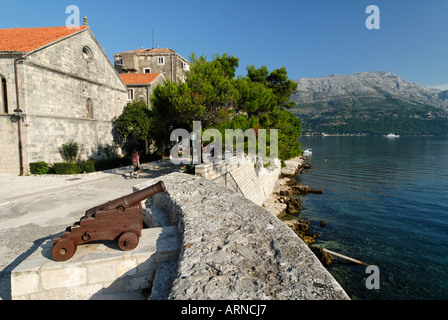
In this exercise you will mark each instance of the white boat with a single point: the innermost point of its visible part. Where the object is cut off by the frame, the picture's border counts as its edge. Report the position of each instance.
(391, 135)
(308, 152)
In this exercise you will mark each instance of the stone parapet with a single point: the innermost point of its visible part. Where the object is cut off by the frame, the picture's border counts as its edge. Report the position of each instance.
(244, 175)
(233, 249)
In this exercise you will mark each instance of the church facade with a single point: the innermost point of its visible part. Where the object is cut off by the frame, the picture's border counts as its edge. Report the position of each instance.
(67, 89)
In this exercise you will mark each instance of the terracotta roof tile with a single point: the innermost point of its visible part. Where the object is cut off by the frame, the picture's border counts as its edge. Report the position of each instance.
(29, 39)
(139, 78)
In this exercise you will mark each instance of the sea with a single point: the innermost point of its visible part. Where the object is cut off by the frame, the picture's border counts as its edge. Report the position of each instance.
(385, 203)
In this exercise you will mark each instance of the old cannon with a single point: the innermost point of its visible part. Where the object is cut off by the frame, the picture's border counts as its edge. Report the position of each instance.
(119, 219)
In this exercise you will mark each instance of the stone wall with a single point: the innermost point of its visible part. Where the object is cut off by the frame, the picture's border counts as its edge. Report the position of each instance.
(9, 146)
(242, 174)
(59, 80)
(9, 155)
(172, 68)
(233, 249)
(144, 92)
(65, 96)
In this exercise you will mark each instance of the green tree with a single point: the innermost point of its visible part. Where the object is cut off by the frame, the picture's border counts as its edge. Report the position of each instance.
(211, 94)
(277, 80)
(135, 119)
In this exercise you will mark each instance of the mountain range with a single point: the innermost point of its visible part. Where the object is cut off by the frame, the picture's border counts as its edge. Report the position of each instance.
(370, 102)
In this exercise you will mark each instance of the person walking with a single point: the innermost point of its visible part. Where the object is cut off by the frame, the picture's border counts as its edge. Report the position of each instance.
(136, 164)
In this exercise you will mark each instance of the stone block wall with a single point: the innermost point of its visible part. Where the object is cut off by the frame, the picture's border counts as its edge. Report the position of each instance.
(9, 146)
(9, 155)
(65, 96)
(242, 174)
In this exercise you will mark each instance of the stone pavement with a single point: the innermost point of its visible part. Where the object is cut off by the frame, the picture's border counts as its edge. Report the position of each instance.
(34, 209)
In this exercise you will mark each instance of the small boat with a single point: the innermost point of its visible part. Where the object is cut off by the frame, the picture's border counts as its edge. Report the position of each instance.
(391, 135)
(308, 152)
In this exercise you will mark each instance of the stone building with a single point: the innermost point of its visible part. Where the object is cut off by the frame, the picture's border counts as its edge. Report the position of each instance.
(141, 85)
(67, 89)
(171, 64)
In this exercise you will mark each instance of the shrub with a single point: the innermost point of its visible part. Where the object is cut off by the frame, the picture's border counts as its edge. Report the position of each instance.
(101, 165)
(69, 151)
(111, 151)
(66, 168)
(39, 168)
(86, 166)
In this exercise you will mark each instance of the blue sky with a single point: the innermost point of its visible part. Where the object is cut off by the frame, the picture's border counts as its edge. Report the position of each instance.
(310, 38)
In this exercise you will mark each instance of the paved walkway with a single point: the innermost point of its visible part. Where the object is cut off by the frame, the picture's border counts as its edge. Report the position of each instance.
(14, 188)
(34, 209)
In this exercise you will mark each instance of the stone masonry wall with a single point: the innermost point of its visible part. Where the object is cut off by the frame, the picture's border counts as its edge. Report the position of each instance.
(239, 174)
(233, 249)
(64, 97)
(9, 154)
(9, 147)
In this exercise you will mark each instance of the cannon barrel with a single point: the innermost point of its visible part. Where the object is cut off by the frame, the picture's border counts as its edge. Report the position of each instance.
(129, 200)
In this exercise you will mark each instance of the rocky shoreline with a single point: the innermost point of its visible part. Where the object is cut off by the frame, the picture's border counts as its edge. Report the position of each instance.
(287, 208)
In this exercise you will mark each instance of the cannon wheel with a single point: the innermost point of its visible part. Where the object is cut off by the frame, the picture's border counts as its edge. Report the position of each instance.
(128, 241)
(63, 250)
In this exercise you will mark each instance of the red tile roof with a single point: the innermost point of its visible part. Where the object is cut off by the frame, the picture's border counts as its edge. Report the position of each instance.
(30, 39)
(139, 78)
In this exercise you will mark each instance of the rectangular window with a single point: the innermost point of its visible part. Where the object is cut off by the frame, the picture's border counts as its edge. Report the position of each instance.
(161, 60)
(131, 94)
(147, 70)
(185, 66)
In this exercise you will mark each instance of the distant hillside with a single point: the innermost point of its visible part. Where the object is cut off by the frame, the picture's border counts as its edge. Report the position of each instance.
(370, 102)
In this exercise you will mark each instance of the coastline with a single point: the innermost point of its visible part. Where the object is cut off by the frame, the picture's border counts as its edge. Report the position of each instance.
(284, 204)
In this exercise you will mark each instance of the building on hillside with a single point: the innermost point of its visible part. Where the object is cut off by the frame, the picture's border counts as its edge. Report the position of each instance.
(141, 85)
(65, 86)
(171, 64)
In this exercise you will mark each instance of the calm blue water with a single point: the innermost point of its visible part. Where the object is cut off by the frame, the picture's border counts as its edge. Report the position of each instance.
(385, 202)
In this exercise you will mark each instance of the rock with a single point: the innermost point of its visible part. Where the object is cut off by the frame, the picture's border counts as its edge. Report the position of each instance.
(324, 257)
(289, 171)
(300, 189)
(286, 191)
(277, 209)
(307, 166)
(301, 228)
(298, 226)
(294, 206)
(292, 167)
(323, 224)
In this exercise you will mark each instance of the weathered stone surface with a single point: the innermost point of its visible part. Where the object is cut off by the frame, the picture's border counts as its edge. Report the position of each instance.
(277, 209)
(234, 249)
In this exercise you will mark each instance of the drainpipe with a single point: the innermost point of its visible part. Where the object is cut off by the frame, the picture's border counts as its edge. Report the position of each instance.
(19, 118)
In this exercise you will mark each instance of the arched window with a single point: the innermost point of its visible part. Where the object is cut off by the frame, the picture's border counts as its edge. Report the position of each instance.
(89, 109)
(4, 95)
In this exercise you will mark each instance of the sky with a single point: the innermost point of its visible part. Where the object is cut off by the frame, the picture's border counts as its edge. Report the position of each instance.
(309, 38)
